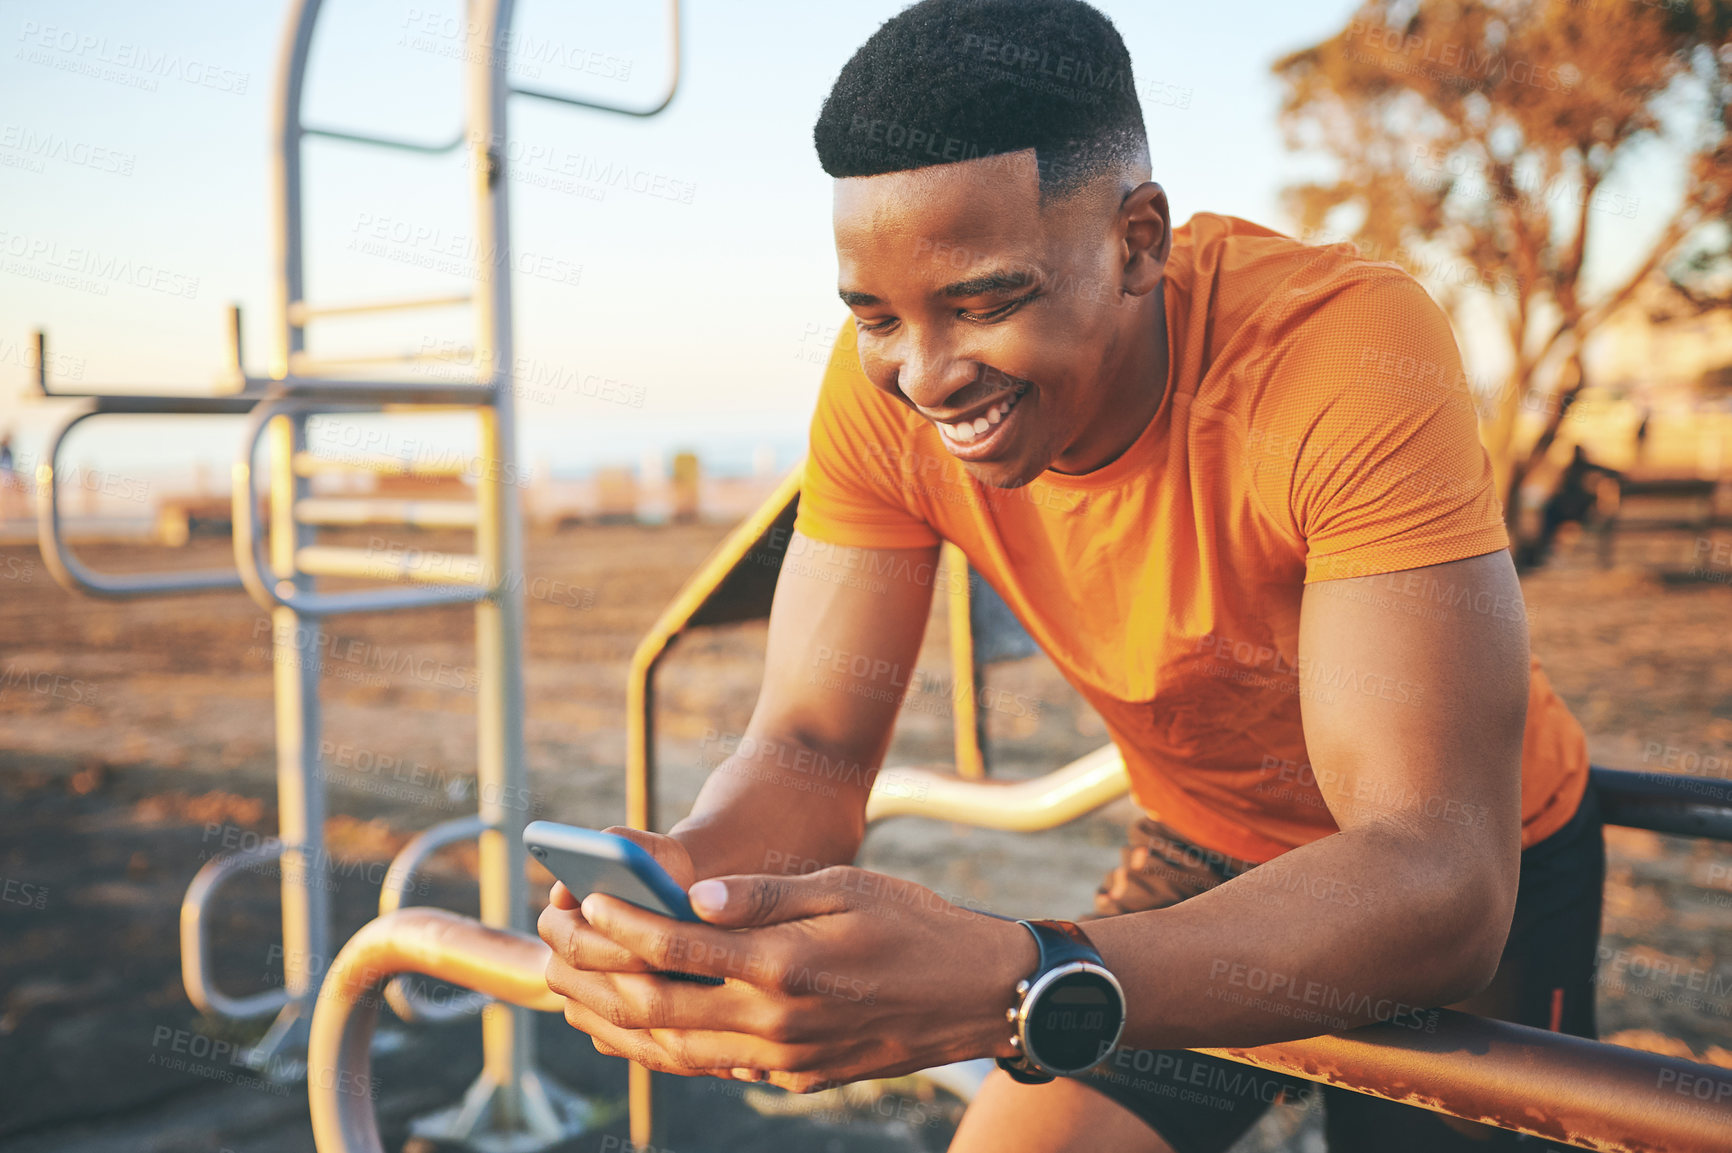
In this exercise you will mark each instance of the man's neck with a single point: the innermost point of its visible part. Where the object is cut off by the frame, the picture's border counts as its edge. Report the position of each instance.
(1139, 386)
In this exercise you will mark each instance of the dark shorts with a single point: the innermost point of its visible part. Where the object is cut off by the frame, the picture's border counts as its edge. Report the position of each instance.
(1202, 1104)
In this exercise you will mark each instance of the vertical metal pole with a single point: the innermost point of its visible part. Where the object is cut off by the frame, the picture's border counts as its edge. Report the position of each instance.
(964, 672)
(640, 813)
(237, 380)
(295, 648)
(41, 361)
(300, 787)
(286, 187)
(508, 1039)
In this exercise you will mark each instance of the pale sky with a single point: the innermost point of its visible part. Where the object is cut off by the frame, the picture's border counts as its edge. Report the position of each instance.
(138, 136)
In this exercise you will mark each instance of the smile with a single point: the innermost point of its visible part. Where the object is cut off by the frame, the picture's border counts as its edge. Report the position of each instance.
(968, 432)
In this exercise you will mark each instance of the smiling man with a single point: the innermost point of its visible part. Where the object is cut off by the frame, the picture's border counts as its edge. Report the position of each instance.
(1232, 485)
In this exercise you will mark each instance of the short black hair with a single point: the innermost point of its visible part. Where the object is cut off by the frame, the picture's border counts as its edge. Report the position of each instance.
(950, 80)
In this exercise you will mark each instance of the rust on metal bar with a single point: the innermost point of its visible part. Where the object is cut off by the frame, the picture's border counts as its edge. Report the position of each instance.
(1567, 1089)
(1552, 1085)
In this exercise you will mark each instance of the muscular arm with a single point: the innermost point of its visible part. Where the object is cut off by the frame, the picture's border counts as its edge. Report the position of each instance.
(830, 978)
(845, 630)
(1408, 906)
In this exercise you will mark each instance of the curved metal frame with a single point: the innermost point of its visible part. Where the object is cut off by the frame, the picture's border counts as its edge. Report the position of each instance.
(509, 1096)
(667, 99)
(1060, 796)
(268, 588)
(499, 963)
(195, 967)
(691, 599)
(1700, 808)
(1584, 1093)
(69, 570)
(404, 1001)
(1044, 802)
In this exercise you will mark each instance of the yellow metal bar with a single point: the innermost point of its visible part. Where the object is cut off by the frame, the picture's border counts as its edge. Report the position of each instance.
(640, 687)
(640, 803)
(970, 763)
(1045, 802)
(1551, 1085)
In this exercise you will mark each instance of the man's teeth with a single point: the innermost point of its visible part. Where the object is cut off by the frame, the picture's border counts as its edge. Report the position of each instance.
(963, 432)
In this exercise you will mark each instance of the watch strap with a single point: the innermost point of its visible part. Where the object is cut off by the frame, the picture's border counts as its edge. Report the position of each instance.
(1060, 942)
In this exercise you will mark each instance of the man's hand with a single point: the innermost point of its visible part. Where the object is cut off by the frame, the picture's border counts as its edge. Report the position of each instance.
(583, 946)
(829, 977)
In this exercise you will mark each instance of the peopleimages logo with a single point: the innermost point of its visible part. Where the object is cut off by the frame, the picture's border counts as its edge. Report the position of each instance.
(1445, 59)
(108, 59)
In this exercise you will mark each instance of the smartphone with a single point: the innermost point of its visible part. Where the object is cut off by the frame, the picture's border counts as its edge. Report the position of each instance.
(590, 861)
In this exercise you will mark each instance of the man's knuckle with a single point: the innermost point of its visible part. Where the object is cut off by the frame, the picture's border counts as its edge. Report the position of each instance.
(797, 1059)
(781, 1027)
(764, 896)
(664, 948)
(653, 1006)
(677, 1047)
(648, 1054)
(550, 928)
(617, 1013)
(560, 977)
(778, 971)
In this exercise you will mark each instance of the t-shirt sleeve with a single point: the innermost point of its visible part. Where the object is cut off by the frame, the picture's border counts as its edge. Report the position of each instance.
(853, 492)
(1366, 438)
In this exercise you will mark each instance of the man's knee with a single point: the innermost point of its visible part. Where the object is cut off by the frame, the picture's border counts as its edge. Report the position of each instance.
(1065, 1116)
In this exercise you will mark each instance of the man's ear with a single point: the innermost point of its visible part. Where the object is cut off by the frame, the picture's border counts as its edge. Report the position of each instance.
(1148, 237)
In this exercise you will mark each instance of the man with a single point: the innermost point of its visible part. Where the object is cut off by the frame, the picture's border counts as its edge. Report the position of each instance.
(9, 482)
(1233, 487)
(1576, 495)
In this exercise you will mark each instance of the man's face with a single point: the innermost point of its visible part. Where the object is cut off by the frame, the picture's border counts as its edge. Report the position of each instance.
(998, 320)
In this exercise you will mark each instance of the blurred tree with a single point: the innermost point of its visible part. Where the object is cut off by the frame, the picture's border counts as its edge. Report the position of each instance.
(1473, 140)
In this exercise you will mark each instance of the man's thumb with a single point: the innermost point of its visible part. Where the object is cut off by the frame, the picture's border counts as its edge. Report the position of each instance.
(669, 854)
(743, 902)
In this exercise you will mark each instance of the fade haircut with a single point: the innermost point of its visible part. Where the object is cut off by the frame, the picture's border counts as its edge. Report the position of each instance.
(950, 80)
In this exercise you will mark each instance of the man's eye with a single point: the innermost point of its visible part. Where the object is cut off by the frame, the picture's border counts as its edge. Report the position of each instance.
(876, 326)
(998, 313)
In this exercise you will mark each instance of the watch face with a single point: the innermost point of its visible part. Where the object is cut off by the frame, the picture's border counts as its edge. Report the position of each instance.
(1073, 1021)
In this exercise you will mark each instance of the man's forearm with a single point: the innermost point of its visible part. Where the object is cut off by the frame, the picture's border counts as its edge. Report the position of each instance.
(777, 808)
(1353, 928)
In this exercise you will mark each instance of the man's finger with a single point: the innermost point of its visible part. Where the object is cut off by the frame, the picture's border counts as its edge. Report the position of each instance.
(643, 1001)
(750, 901)
(574, 942)
(688, 1052)
(668, 945)
(668, 853)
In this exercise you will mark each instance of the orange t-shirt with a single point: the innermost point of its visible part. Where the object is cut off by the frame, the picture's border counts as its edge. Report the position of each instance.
(1315, 425)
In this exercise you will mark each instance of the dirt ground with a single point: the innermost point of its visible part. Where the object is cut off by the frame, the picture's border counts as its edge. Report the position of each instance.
(136, 741)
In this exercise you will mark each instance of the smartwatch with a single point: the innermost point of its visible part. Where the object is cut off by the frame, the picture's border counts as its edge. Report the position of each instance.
(1069, 1011)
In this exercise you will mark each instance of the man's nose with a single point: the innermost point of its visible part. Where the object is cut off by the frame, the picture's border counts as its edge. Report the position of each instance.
(929, 377)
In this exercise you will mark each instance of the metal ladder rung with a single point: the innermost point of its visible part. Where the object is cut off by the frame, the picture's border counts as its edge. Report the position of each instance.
(458, 465)
(433, 149)
(410, 565)
(303, 364)
(300, 311)
(377, 510)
